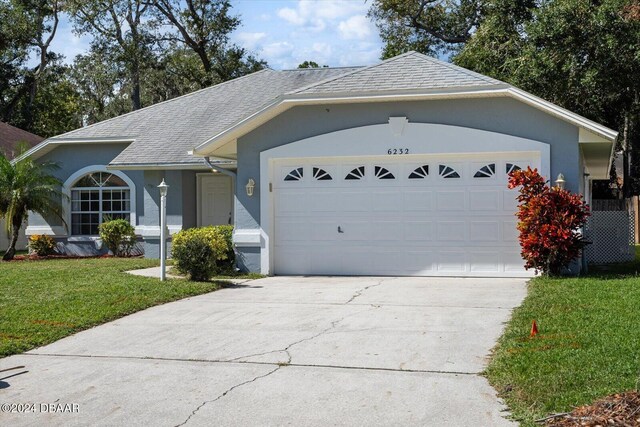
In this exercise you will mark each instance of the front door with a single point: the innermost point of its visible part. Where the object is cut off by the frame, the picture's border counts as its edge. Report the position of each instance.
(215, 200)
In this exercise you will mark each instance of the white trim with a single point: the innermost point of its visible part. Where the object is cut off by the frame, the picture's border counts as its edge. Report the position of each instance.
(284, 103)
(247, 237)
(68, 184)
(49, 144)
(56, 230)
(154, 230)
(166, 166)
(420, 138)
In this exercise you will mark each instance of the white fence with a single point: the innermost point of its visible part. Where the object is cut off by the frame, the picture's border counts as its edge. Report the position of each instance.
(613, 237)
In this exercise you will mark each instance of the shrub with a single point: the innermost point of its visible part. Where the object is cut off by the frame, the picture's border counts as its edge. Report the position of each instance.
(42, 245)
(200, 252)
(227, 265)
(550, 220)
(119, 236)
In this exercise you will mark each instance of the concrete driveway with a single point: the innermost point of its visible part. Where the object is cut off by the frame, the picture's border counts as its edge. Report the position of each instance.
(293, 351)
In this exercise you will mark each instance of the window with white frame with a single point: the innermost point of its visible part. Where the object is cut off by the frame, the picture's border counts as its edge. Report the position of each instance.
(98, 197)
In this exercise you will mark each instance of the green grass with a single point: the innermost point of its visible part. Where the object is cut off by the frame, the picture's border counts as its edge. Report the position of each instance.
(43, 301)
(588, 346)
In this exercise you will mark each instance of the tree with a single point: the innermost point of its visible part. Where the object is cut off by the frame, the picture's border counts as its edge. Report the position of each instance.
(311, 64)
(427, 26)
(204, 27)
(28, 29)
(122, 28)
(550, 220)
(27, 186)
(582, 55)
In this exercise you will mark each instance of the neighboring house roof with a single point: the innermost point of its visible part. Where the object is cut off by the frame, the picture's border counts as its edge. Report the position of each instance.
(165, 134)
(11, 137)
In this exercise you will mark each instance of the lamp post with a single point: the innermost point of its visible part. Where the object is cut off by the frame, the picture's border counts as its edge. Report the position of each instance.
(164, 188)
(560, 182)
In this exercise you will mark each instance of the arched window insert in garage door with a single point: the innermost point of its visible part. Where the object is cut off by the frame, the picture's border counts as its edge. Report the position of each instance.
(355, 174)
(383, 173)
(486, 171)
(510, 167)
(321, 174)
(420, 173)
(295, 175)
(448, 172)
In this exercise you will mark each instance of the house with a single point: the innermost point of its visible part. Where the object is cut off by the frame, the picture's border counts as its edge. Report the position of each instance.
(399, 168)
(10, 138)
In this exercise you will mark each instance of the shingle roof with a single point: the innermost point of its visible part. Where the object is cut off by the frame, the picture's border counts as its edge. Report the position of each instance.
(11, 136)
(164, 133)
(410, 71)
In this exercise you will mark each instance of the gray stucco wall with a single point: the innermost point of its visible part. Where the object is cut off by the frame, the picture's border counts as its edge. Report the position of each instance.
(503, 115)
(181, 200)
(72, 158)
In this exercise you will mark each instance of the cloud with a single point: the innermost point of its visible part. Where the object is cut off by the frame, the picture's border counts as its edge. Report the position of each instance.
(277, 50)
(250, 40)
(357, 27)
(317, 15)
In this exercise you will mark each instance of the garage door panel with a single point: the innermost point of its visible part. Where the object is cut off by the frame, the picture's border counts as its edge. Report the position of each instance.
(451, 200)
(419, 262)
(322, 230)
(392, 201)
(292, 231)
(419, 231)
(356, 230)
(417, 200)
(485, 200)
(509, 231)
(387, 231)
(486, 261)
(510, 201)
(288, 202)
(451, 231)
(323, 201)
(484, 231)
(354, 201)
(451, 261)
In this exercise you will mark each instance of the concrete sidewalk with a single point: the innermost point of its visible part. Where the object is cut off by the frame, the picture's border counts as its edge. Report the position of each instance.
(283, 351)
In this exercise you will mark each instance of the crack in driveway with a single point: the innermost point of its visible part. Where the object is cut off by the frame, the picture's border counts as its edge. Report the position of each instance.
(229, 390)
(360, 291)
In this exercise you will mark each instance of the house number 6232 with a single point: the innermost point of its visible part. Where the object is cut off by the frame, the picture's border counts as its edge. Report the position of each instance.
(392, 151)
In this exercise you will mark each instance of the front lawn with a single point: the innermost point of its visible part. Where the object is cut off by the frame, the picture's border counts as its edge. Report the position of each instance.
(588, 346)
(43, 301)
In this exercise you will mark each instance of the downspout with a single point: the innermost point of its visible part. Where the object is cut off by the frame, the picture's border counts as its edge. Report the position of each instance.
(227, 172)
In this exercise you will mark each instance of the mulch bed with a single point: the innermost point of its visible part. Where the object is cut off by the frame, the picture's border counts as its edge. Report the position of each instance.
(42, 258)
(620, 410)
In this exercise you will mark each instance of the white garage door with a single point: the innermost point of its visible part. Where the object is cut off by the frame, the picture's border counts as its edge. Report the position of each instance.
(397, 215)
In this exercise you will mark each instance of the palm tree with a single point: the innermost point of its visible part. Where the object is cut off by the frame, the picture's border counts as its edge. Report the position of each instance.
(27, 186)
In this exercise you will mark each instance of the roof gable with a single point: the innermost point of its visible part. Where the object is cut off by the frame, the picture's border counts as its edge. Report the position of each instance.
(410, 71)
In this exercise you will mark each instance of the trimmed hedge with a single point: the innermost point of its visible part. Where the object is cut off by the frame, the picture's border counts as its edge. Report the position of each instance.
(203, 252)
(119, 236)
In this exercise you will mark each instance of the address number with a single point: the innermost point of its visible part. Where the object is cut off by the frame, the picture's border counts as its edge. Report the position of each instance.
(392, 151)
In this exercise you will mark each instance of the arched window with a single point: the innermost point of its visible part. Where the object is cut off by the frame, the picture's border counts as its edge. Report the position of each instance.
(97, 197)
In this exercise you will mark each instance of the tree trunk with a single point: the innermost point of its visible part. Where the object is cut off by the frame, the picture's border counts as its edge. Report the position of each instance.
(136, 103)
(11, 251)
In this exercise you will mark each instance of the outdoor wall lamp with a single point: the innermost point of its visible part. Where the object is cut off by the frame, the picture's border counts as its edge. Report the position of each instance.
(250, 186)
(560, 182)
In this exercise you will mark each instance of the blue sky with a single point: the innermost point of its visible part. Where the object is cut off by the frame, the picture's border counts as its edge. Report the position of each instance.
(287, 32)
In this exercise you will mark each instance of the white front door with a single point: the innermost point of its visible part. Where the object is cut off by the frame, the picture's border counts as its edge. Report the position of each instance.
(216, 194)
(438, 215)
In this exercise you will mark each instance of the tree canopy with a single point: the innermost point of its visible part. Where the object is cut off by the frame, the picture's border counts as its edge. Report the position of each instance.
(142, 52)
(580, 54)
